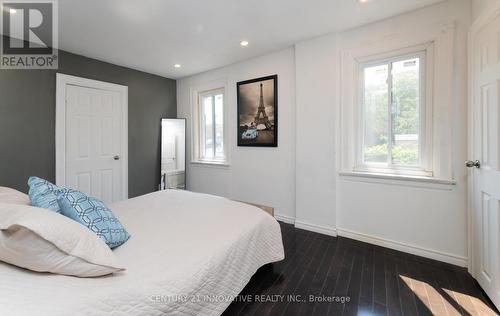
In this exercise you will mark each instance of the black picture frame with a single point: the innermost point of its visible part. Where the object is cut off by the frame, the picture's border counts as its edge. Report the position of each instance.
(244, 131)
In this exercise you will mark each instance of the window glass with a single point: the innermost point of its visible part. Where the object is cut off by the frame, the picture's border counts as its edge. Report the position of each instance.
(406, 112)
(211, 126)
(219, 126)
(376, 120)
(392, 113)
(208, 130)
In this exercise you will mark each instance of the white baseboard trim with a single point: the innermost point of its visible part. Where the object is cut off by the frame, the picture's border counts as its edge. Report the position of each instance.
(415, 250)
(316, 228)
(396, 245)
(285, 219)
(306, 226)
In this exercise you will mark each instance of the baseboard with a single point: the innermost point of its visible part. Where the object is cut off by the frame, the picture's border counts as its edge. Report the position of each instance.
(306, 226)
(316, 228)
(285, 219)
(415, 250)
(396, 245)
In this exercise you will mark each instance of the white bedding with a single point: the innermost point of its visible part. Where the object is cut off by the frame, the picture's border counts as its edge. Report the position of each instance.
(188, 253)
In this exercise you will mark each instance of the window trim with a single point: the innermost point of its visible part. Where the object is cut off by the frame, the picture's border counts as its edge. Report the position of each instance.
(196, 157)
(439, 41)
(201, 122)
(426, 54)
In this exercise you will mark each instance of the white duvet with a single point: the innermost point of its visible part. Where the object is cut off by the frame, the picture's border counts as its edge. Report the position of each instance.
(189, 254)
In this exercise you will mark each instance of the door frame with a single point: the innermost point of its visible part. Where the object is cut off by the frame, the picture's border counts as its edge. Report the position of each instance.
(62, 81)
(487, 16)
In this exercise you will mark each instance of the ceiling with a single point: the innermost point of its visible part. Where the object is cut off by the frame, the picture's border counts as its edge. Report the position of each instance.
(153, 35)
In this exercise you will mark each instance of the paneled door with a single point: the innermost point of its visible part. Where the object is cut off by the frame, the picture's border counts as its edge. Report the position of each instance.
(485, 151)
(95, 136)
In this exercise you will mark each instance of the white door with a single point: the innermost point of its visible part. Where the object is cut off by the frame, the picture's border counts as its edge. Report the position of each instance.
(91, 137)
(485, 163)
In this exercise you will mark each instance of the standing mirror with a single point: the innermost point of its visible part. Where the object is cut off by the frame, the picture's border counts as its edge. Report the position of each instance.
(173, 154)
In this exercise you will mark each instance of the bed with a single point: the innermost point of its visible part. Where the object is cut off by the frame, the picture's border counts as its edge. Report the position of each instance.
(189, 254)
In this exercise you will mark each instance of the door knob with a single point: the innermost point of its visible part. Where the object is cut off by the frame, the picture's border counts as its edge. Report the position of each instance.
(472, 164)
(116, 157)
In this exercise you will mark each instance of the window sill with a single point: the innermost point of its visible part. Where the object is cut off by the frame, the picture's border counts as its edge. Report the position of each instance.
(397, 179)
(206, 163)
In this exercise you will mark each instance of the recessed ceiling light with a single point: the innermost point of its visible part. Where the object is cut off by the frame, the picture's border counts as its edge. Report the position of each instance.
(364, 1)
(244, 43)
(177, 65)
(12, 11)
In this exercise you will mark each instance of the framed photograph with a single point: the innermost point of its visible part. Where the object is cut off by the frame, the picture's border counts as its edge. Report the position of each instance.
(258, 112)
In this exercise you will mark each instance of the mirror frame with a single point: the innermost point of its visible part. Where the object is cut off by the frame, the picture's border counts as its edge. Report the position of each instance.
(185, 150)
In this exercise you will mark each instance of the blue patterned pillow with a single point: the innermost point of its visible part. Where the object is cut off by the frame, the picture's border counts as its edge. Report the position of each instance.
(43, 194)
(93, 214)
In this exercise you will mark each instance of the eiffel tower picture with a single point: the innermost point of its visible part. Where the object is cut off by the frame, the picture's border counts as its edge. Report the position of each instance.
(261, 117)
(258, 112)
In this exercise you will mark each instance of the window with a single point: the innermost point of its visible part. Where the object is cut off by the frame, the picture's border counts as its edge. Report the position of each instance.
(396, 118)
(211, 126)
(393, 114)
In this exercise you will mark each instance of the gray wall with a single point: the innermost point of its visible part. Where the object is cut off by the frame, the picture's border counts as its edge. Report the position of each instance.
(27, 120)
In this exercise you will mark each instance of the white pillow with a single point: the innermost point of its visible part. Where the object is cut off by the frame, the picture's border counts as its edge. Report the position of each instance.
(41, 240)
(8, 195)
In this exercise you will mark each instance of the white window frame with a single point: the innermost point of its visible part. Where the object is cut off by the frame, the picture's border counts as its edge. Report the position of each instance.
(439, 42)
(424, 167)
(199, 128)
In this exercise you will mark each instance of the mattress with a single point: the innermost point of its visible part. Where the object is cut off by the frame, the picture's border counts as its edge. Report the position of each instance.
(189, 254)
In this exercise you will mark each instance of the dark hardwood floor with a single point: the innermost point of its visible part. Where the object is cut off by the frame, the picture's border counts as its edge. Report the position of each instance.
(360, 278)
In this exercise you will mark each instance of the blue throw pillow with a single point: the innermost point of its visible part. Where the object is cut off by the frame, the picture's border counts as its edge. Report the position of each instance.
(93, 214)
(43, 194)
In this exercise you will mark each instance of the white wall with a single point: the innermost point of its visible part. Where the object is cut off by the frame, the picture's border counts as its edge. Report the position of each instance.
(259, 175)
(429, 221)
(315, 166)
(479, 6)
(300, 177)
